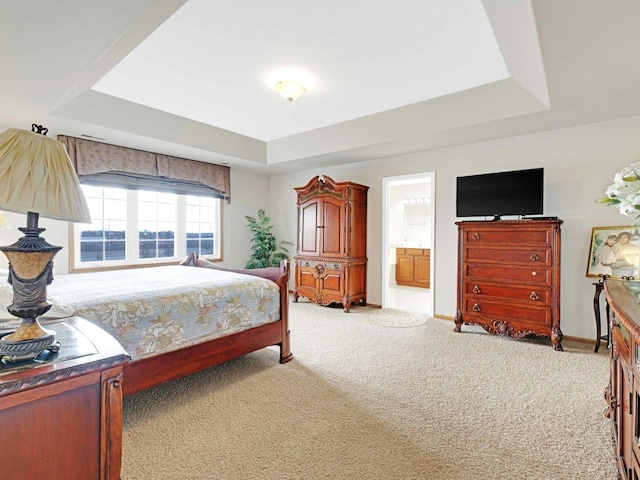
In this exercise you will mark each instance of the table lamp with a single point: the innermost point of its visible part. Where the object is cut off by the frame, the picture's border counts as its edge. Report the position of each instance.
(37, 179)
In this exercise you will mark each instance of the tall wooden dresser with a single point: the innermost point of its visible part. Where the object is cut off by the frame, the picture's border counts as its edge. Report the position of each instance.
(331, 255)
(509, 277)
(623, 390)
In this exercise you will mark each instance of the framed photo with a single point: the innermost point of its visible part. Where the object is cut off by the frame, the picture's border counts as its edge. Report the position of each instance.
(615, 251)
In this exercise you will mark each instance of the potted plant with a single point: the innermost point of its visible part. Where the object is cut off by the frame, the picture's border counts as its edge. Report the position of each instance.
(266, 251)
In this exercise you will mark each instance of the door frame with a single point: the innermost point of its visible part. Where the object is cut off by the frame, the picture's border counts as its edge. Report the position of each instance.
(387, 183)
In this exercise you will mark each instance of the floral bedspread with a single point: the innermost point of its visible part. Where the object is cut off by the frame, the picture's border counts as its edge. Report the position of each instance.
(158, 309)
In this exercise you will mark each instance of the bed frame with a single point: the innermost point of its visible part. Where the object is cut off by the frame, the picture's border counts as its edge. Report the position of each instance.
(151, 371)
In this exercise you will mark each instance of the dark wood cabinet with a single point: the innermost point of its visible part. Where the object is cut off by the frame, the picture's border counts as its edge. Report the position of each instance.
(413, 267)
(331, 255)
(62, 418)
(623, 390)
(509, 277)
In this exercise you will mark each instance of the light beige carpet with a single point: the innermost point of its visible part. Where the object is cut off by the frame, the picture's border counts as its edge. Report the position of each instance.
(361, 401)
(389, 317)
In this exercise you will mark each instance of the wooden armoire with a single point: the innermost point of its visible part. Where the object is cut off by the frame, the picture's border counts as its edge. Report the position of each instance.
(331, 255)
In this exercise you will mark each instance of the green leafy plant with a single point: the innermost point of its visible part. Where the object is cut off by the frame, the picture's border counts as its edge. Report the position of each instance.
(266, 251)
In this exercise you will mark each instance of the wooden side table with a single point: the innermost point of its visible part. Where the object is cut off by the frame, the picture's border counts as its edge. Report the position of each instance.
(62, 417)
(596, 310)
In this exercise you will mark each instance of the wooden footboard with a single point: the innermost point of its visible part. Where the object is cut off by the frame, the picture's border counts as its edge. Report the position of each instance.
(151, 371)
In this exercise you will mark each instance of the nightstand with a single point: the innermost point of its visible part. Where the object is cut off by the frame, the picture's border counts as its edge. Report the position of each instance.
(62, 418)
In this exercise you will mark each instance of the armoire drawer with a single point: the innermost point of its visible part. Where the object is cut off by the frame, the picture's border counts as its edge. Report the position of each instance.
(537, 275)
(320, 266)
(518, 313)
(497, 235)
(510, 255)
(533, 294)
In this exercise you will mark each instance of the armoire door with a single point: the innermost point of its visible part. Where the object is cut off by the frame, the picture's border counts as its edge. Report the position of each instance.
(332, 228)
(309, 228)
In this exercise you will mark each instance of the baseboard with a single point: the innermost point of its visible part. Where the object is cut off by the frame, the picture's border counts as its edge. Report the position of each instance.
(584, 340)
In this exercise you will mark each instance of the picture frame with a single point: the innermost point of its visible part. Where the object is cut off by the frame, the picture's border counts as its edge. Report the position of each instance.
(615, 251)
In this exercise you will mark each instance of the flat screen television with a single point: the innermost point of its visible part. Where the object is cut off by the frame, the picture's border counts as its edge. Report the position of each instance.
(518, 192)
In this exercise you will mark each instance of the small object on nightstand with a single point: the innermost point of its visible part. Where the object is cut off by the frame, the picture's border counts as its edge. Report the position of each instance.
(12, 358)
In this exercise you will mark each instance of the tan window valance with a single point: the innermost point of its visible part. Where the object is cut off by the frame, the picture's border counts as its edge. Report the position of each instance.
(106, 164)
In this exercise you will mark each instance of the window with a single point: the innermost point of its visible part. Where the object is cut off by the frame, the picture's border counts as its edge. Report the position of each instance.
(105, 239)
(156, 225)
(201, 224)
(133, 227)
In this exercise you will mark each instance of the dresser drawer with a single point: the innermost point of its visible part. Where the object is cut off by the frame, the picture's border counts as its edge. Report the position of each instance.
(525, 317)
(499, 235)
(528, 294)
(510, 255)
(528, 275)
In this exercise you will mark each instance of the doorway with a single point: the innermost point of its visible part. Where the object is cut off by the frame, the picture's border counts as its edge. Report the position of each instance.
(407, 239)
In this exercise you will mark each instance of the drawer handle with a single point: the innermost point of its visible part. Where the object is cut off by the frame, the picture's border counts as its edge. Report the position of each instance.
(476, 307)
(534, 273)
(534, 296)
(476, 236)
(534, 257)
(476, 289)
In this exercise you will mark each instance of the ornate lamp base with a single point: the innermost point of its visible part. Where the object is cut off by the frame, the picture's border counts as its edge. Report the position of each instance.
(30, 271)
(27, 342)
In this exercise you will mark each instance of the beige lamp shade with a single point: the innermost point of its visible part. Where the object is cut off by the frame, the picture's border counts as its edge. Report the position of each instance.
(37, 176)
(4, 223)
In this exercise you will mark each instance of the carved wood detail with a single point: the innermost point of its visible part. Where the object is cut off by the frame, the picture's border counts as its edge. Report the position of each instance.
(57, 375)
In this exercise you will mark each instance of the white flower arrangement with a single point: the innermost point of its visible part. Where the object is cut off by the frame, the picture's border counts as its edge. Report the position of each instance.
(624, 193)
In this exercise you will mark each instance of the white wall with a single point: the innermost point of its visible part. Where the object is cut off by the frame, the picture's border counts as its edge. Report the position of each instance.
(249, 192)
(396, 216)
(578, 164)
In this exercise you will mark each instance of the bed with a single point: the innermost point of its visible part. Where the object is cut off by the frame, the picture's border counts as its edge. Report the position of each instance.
(176, 320)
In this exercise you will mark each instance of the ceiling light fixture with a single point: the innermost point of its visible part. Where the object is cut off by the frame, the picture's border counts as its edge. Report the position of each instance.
(290, 91)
